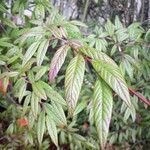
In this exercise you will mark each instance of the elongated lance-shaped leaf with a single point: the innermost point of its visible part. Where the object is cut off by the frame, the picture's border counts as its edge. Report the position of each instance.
(73, 81)
(96, 55)
(42, 51)
(56, 111)
(35, 104)
(52, 130)
(113, 77)
(102, 108)
(30, 52)
(57, 61)
(38, 90)
(41, 127)
(52, 94)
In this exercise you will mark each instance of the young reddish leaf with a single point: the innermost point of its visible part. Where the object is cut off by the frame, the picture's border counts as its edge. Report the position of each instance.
(22, 122)
(4, 85)
(57, 62)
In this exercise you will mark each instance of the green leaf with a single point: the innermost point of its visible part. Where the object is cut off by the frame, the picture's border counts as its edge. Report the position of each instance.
(40, 72)
(26, 103)
(102, 108)
(73, 81)
(31, 76)
(38, 90)
(34, 104)
(9, 74)
(40, 11)
(121, 34)
(41, 127)
(118, 24)
(110, 28)
(80, 107)
(57, 112)
(22, 91)
(147, 36)
(2, 63)
(52, 130)
(5, 44)
(3, 7)
(9, 23)
(57, 62)
(113, 78)
(52, 94)
(31, 120)
(30, 52)
(78, 23)
(96, 55)
(42, 51)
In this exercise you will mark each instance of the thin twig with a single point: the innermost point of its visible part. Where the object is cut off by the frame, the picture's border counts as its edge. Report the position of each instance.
(141, 97)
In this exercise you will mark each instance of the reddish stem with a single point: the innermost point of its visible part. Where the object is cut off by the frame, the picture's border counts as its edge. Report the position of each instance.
(141, 97)
(88, 59)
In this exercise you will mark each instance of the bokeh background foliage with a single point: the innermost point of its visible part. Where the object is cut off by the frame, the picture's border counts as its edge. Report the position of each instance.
(65, 79)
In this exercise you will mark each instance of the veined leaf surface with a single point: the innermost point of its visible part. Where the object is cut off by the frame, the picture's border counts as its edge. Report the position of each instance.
(30, 52)
(42, 51)
(57, 61)
(52, 130)
(41, 127)
(96, 55)
(73, 81)
(102, 108)
(113, 77)
(38, 90)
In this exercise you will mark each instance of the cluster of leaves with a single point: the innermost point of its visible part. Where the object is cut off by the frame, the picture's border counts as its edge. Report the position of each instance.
(29, 68)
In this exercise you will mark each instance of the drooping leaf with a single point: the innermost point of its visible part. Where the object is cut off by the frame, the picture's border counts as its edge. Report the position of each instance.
(57, 112)
(42, 51)
(34, 104)
(30, 52)
(52, 130)
(41, 127)
(102, 108)
(52, 94)
(57, 61)
(38, 90)
(73, 81)
(113, 77)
